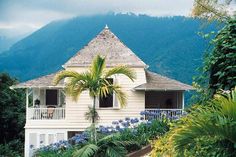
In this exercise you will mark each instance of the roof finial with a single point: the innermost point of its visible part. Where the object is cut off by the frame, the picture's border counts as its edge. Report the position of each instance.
(106, 27)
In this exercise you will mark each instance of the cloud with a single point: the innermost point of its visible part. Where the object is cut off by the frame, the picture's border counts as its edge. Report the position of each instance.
(29, 15)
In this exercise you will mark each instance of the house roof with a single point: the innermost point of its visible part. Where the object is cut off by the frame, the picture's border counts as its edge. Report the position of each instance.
(159, 83)
(41, 82)
(154, 82)
(108, 45)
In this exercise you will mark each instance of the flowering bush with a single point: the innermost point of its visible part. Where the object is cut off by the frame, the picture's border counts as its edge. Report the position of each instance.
(81, 138)
(61, 148)
(140, 130)
(120, 125)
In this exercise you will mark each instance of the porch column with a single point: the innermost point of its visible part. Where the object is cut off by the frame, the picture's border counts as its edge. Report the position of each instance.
(183, 100)
(27, 102)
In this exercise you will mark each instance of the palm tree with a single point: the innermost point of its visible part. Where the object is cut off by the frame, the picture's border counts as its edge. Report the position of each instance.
(217, 119)
(96, 81)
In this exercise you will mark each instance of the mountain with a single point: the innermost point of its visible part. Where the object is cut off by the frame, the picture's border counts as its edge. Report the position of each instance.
(6, 43)
(170, 45)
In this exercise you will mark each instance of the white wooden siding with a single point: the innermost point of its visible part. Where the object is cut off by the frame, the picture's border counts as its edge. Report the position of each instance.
(75, 110)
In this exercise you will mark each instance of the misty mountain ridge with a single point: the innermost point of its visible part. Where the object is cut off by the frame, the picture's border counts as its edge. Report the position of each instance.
(169, 45)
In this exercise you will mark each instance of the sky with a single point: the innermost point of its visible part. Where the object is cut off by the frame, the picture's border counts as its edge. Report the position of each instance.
(19, 17)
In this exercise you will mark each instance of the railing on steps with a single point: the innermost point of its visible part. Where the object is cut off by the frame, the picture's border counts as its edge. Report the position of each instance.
(46, 113)
(153, 113)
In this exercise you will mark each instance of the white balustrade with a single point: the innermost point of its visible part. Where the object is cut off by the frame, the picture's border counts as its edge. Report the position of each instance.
(153, 113)
(46, 113)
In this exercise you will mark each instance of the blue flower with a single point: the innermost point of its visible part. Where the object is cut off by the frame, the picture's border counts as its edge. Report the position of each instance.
(31, 146)
(142, 113)
(114, 122)
(120, 121)
(127, 118)
(135, 120)
(117, 127)
(125, 124)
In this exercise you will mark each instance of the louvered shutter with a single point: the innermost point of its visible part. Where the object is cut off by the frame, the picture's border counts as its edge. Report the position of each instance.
(116, 104)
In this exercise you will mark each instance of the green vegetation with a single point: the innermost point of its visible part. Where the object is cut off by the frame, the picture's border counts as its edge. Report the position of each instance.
(12, 117)
(208, 130)
(219, 67)
(117, 142)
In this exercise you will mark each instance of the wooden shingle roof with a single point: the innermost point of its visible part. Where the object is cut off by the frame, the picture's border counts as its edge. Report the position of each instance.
(41, 82)
(160, 83)
(108, 45)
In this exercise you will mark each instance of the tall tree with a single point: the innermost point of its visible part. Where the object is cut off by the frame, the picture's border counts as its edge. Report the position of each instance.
(219, 69)
(12, 114)
(221, 10)
(96, 81)
(222, 61)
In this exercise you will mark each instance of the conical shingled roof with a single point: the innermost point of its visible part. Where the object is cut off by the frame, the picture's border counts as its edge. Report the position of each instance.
(107, 45)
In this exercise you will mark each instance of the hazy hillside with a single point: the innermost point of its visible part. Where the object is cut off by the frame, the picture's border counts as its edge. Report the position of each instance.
(170, 46)
(6, 43)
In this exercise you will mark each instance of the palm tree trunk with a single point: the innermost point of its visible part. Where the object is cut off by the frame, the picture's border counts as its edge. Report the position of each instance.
(93, 121)
(93, 116)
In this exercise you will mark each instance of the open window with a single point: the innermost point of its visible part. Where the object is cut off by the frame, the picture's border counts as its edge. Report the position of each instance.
(107, 102)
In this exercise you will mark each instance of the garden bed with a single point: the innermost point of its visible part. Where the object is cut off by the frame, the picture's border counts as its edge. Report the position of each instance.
(140, 152)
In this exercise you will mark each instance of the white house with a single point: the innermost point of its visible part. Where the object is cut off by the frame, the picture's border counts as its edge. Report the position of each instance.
(52, 116)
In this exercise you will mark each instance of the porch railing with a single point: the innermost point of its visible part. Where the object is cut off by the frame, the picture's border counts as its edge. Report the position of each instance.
(46, 113)
(163, 113)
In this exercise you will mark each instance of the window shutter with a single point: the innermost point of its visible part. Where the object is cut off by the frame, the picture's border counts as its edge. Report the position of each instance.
(116, 103)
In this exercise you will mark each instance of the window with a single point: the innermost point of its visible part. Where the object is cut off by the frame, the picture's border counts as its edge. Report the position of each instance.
(51, 97)
(42, 139)
(51, 138)
(60, 137)
(107, 101)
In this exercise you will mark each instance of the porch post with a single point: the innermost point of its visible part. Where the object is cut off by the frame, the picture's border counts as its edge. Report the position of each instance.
(183, 100)
(27, 102)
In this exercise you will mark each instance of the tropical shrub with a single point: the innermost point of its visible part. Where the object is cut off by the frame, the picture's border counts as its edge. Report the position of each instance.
(208, 130)
(108, 146)
(121, 137)
(139, 130)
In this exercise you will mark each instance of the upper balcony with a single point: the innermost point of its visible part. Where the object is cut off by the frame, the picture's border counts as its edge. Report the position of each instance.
(45, 104)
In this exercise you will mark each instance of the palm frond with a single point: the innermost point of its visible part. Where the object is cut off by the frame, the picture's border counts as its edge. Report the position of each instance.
(76, 85)
(87, 151)
(216, 120)
(121, 96)
(64, 74)
(116, 151)
(97, 67)
(124, 70)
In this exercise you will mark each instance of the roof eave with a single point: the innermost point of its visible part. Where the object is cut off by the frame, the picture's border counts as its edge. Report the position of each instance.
(22, 86)
(132, 66)
(153, 89)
